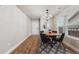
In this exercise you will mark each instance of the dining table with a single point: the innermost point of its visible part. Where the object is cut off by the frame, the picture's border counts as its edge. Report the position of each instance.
(52, 35)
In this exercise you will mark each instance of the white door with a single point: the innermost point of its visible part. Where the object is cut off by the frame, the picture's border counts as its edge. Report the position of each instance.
(35, 27)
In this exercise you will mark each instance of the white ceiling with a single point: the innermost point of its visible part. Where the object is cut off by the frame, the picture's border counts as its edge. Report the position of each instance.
(36, 11)
(70, 11)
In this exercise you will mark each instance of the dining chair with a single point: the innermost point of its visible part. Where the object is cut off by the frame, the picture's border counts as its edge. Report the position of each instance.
(59, 42)
(44, 39)
(41, 32)
(44, 42)
(50, 30)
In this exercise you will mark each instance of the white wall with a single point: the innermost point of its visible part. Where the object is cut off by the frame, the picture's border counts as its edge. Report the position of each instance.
(75, 20)
(14, 27)
(35, 27)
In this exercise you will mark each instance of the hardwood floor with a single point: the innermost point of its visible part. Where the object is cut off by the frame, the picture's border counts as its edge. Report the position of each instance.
(29, 46)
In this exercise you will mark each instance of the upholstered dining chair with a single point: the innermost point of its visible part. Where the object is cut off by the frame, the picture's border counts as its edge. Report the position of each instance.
(59, 42)
(44, 42)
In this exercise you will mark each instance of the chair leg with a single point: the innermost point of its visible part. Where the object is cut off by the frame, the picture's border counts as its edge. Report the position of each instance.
(57, 48)
(53, 43)
(64, 50)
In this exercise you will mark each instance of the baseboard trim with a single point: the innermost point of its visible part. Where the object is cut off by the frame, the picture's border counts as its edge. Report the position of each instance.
(9, 51)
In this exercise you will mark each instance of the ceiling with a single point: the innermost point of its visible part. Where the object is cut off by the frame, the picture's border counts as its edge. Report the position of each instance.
(36, 11)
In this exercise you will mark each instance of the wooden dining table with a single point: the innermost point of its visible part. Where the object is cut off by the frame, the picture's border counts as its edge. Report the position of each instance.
(52, 34)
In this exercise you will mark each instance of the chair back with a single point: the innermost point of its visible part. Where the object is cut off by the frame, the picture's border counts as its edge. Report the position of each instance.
(41, 32)
(62, 37)
(43, 38)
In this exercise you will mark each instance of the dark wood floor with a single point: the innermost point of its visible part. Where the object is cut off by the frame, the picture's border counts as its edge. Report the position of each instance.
(29, 46)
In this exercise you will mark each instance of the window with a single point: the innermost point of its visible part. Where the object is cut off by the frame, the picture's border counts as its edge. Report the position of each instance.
(73, 30)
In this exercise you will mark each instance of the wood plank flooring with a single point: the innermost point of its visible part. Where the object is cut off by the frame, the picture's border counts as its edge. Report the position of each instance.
(29, 46)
